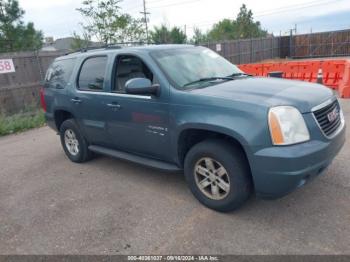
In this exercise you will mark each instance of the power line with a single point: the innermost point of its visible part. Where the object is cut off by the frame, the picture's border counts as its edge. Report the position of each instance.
(131, 8)
(203, 24)
(296, 7)
(157, 1)
(273, 11)
(260, 14)
(175, 4)
(263, 13)
(288, 7)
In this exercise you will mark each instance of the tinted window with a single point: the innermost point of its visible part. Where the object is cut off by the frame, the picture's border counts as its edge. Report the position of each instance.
(92, 73)
(59, 73)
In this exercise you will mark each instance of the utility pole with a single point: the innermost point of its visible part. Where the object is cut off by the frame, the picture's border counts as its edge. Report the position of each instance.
(310, 41)
(291, 53)
(145, 19)
(185, 31)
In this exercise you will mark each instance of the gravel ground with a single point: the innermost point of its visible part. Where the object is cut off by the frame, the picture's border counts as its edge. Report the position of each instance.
(49, 205)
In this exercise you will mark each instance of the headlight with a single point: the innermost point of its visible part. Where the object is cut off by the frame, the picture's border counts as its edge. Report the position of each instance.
(287, 126)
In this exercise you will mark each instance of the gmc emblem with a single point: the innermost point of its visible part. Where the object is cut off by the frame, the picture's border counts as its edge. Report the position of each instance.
(332, 116)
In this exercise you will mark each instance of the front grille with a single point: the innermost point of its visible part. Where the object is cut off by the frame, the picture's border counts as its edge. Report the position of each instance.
(328, 118)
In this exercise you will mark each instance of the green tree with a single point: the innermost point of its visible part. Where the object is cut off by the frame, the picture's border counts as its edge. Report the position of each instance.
(15, 35)
(223, 30)
(160, 35)
(177, 36)
(242, 27)
(199, 37)
(165, 35)
(245, 25)
(108, 24)
(80, 42)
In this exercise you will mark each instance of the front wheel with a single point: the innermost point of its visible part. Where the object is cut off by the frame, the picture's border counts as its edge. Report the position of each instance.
(74, 144)
(218, 175)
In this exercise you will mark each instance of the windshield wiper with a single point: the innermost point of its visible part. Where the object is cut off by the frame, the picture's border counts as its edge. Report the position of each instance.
(239, 74)
(206, 79)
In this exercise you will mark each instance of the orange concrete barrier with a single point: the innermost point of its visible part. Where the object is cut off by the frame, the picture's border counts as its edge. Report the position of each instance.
(252, 69)
(344, 86)
(336, 72)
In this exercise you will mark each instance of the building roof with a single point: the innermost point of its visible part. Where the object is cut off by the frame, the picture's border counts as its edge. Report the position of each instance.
(64, 44)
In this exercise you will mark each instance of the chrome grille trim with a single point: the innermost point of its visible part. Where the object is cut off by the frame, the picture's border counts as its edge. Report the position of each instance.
(320, 114)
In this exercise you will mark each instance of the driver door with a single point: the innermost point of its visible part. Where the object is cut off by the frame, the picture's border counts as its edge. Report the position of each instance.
(139, 123)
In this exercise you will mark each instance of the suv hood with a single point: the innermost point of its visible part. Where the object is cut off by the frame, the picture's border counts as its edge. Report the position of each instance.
(270, 92)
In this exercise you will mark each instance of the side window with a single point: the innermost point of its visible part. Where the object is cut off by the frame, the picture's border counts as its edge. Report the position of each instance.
(92, 73)
(129, 67)
(59, 73)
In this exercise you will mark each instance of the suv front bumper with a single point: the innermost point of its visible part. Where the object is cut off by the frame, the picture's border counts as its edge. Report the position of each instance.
(281, 169)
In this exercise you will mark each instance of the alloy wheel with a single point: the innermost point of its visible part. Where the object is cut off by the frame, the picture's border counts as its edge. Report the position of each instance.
(71, 142)
(212, 178)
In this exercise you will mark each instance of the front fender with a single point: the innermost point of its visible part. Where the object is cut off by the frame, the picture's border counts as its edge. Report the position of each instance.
(248, 127)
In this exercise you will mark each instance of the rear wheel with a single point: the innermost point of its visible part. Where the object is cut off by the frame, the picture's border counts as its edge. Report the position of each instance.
(218, 175)
(74, 144)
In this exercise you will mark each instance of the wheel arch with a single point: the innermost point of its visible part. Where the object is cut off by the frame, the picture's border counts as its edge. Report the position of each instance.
(60, 115)
(191, 135)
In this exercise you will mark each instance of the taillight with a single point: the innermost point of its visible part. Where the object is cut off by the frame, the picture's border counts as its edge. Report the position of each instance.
(42, 99)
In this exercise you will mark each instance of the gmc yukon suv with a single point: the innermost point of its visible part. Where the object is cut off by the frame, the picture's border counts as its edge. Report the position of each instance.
(180, 107)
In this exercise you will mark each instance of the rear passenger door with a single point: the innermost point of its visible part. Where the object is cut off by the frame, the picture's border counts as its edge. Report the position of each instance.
(89, 98)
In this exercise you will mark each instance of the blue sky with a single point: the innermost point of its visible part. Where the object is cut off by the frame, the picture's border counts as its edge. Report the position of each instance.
(58, 18)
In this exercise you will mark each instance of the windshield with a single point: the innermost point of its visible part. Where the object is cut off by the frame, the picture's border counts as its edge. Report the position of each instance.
(186, 67)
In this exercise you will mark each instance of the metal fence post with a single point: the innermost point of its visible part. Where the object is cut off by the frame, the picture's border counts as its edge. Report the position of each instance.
(279, 42)
(332, 51)
(290, 42)
(251, 51)
(36, 54)
(239, 51)
(271, 47)
(309, 36)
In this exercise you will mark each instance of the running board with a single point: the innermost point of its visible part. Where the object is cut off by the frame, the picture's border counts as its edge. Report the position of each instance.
(135, 158)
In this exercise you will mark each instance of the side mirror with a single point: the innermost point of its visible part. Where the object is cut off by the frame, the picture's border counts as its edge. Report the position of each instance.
(141, 86)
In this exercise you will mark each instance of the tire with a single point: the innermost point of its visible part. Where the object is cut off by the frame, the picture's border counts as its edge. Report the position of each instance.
(76, 147)
(226, 189)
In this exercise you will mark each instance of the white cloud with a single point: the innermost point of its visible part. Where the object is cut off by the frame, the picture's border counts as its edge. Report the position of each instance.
(59, 18)
(40, 4)
(56, 18)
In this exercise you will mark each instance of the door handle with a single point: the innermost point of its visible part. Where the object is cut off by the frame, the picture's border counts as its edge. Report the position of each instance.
(76, 100)
(114, 106)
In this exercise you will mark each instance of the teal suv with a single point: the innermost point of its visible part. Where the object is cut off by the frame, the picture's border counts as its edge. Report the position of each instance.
(185, 108)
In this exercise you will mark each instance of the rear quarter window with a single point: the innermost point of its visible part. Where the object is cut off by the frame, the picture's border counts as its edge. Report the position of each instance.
(92, 73)
(59, 73)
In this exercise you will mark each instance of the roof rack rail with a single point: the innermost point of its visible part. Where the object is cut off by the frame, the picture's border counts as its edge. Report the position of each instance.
(107, 46)
(85, 49)
(122, 44)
